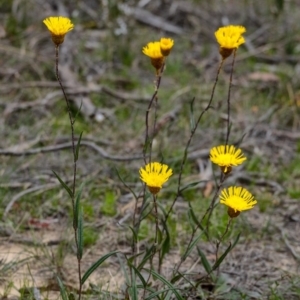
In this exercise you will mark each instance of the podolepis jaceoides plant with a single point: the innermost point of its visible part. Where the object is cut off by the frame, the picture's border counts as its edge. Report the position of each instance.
(143, 267)
(59, 27)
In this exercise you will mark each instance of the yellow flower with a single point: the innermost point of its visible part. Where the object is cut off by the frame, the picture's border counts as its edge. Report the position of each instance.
(166, 44)
(58, 27)
(226, 157)
(152, 50)
(237, 199)
(230, 38)
(155, 175)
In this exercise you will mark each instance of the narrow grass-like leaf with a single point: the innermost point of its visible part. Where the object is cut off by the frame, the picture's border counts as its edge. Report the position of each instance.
(64, 185)
(192, 118)
(191, 247)
(134, 293)
(134, 235)
(144, 283)
(166, 282)
(77, 207)
(62, 288)
(204, 261)
(229, 248)
(126, 185)
(192, 184)
(176, 277)
(80, 234)
(195, 219)
(157, 293)
(166, 245)
(236, 240)
(78, 111)
(147, 255)
(124, 269)
(96, 265)
(78, 146)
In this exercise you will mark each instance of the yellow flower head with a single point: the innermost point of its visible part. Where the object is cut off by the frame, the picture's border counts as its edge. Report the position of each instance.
(58, 27)
(155, 175)
(153, 50)
(237, 199)
(230, 38)
(226, 157)
(166, 44)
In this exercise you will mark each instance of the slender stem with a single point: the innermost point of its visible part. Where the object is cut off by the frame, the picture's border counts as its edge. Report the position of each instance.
(193, 130)
(156, 218)
(228, 98)
(74, 165)
(148, 139)
(209, 210)
(222, 237)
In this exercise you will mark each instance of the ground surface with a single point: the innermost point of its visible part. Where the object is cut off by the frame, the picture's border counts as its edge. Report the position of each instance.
(102, 67)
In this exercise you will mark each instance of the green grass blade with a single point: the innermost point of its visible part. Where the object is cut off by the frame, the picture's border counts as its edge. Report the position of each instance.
(236, 240)
(204, 261)
(137, 272)
(96, 265)
(229, 248)
(166, 282)
(78, 146)
(78, 111)
(192, 184)
(126, 185)
(157, 293)
(77, 207)
(192, 216)
(192, 245)
(166, 245)
(192, 118)
(134, 287)
(62, 288)
(64, 185)
(147, 255)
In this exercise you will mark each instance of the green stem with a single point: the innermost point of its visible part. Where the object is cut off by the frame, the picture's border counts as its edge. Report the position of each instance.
(74, 165)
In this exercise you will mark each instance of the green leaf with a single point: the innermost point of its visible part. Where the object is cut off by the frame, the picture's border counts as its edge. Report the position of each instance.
(192, 245)
(77, 207)
(126, 185)
(156, 293)
(236, 240)
(166, 282)
(78, 146)
(195, 219)
(166, 245)
(192, 118)
(176, 277)
(229, 248)
(62, 288)
(134, 294)
(64, 185)
(134, 235)
(96, 265)
(204, 261)
(78, 111)
(192, 184)
(147, 255)
(137, 272)
(80, 234)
